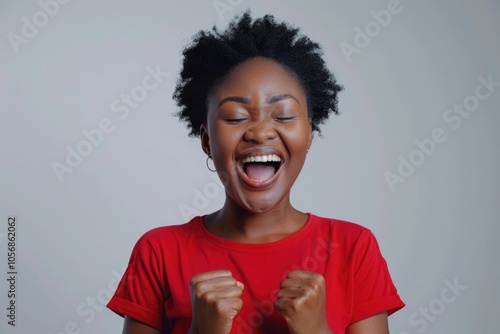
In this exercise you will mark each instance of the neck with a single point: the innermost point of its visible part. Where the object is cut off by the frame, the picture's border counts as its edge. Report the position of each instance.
(234, 223)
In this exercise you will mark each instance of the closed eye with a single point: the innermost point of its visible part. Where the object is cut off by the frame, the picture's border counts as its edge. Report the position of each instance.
(235, 120)
(284, 119)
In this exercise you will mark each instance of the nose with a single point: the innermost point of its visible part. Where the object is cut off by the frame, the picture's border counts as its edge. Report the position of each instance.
(260, 132)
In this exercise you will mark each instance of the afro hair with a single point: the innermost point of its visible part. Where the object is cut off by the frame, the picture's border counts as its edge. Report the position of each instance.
(213, 54)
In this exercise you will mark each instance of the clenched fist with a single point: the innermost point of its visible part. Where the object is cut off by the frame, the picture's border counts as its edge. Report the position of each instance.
(302, 302)
(215, 300)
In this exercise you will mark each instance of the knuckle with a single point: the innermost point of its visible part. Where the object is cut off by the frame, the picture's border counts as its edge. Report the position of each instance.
(294, 305)
(317, 280)
(201, 289)
(198, 294)
(313, 288)
(238, 291)
(219, 305)
(317, 277)
(237, 304)
(226, 307)
(210, 297)
(193, 282)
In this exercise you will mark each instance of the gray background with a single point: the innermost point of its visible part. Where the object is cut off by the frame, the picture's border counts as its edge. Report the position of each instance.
(75, 234)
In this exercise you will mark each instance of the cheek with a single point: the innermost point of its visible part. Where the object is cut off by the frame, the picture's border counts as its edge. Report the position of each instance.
(297, 140)
(223, 142)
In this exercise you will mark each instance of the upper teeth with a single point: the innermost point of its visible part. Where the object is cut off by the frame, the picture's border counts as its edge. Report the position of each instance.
(262, 158)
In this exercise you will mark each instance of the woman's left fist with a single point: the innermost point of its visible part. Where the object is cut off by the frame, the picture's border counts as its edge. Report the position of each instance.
(302, 302)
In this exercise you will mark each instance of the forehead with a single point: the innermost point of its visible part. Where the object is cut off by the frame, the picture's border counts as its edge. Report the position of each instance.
(259, 74)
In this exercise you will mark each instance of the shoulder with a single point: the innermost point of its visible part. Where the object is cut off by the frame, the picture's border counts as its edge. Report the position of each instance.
(168, 235)
(345, 236)
(340, 227)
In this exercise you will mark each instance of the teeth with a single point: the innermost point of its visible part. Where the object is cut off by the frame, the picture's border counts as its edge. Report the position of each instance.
(262, 158)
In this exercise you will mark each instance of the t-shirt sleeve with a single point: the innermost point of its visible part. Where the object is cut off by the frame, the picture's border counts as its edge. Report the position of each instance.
(373, 289)
(141, 294)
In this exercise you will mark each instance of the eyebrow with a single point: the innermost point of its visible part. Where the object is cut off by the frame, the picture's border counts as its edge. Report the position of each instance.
(244, 100)
(281, 97)
(238, 99)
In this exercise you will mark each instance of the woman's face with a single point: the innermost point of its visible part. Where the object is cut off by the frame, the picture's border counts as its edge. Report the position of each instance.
(258, 132)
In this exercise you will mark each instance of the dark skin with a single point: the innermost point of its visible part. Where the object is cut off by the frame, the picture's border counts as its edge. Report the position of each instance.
(259, 109)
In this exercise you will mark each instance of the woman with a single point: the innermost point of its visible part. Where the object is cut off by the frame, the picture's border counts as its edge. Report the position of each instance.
(255, 94)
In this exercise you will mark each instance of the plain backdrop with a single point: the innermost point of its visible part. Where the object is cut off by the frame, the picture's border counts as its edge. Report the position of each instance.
(401, 159)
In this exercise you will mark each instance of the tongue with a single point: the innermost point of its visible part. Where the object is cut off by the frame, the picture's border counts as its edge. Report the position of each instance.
(260, 172)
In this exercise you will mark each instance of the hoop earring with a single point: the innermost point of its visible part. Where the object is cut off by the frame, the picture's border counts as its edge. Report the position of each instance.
(208, 166)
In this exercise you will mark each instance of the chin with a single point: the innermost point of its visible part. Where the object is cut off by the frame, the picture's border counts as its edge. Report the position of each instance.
(260, 203)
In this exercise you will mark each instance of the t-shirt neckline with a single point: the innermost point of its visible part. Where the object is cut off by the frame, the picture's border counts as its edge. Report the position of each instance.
(235, 245)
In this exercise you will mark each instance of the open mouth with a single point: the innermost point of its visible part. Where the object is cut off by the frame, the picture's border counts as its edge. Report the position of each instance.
(261, 167)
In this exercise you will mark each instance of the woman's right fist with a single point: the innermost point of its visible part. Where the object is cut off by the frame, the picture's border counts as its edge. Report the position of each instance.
(215, 301)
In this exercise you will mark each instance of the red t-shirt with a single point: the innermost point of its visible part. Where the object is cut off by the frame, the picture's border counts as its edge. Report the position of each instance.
(155, 286)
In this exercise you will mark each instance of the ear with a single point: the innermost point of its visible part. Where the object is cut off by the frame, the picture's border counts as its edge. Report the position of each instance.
(205, 139)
